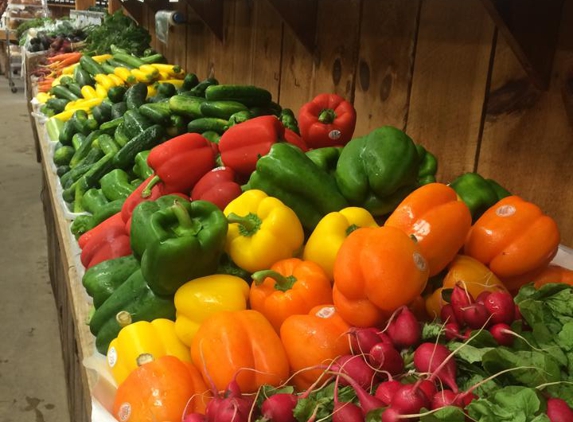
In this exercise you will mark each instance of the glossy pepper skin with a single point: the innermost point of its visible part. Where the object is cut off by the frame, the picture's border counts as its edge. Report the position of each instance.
(262, 230)
(379, 170)
(288, 174)
(478, 193)
(183, 241)
(228, 344)
(202, 297)
(314, 339)
(326, 239)
(243, 144)
(325, 158)
(515, 240)
(136, 197)
(376, 271)
(437, 219)
(327, 120)
(106, 242)
(136, 302)
(115, 185)
(428, 166)
(218, 186)
(156, 338)
(291, 286)
(180, 162)
(141, 169)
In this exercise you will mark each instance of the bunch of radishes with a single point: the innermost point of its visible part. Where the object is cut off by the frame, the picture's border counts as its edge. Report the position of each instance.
(494, 311)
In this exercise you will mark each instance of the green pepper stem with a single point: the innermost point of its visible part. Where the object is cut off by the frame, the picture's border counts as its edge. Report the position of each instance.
(282, 283)
(183, 217)
(146, 192)
(351, 228)
(248, 225)
(327, 116)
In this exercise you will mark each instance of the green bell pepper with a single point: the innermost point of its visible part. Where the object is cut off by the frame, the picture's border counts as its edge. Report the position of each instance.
(478, 193)
(290, 175)
(141, 169)
(132, 301)
(379, 170)
(103, 279)
(178, 241)
(325, 158)
(81, 224)
(428, 166)
(93, 199)
(115, 185)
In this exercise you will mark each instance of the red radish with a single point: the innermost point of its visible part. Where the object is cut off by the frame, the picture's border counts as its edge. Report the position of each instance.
(436, 360)
(409, 399)
(386, 390)
(231, 409)
(476, 315)
(502, 334)
(559, 411)
(404, 330)
(195, 417)
(447, 314)
(385, 357)
(501, 307)
(466, 398)
(482, 296)
(444, 398)
(452, 331)
(346, 412)
(428, 387)
(367, 401)
(279, 408)
(459, 300)
(356, 368)
(391, 415)
(362, 339)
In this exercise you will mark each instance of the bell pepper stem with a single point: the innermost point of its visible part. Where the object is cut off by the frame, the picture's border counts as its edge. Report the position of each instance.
(248, 225)
(146, 192)
(327, 116)
(282, 283)
(183, 217)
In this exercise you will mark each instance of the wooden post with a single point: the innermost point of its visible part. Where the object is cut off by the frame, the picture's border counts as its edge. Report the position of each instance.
(84, 4)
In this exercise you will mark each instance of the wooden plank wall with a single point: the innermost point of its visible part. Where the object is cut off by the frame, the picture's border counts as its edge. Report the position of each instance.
(435, 68)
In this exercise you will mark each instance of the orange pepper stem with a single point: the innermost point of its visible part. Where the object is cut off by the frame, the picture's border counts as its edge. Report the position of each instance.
(327, 116)
(146, 192)
(248, 225)
(282, 283)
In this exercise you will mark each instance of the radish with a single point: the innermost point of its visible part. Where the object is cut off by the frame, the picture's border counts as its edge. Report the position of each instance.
(482, 296)
(195, 417)
(391, 415)
(409, 399)
(362, 339)
(447, 314)
(428, 387)
(232, 407)
(459, 300)
(386, 390)
(347, 412)
(476, 315)
(356, 368)
(367, 401)
(502, 334)
(436, 360)
(279, 408)
(452, 331)
(444, 398)
(384, 357)
(559, 411)
(404, 330)
(501, 307)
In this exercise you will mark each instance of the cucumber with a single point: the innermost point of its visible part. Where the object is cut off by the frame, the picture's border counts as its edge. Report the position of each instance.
(75, 89)
(201, 87)
(190, 81)
(90, 65)
(62, 92)
(107, 144)
(147, 139)
(110, 127)
(63, 155)
(84, 148)
(166, 90)
(77, 140)
(81, 168)
(186, 105)
(101, 113)
(118, 109)
(249, 95)
(117, 63)
(120, 136)
(221, 109)
(205, 124)
(82, 77)
(80, 121)
(107, 68)
(57, 104)
(67, 133)
(156, 112)
(136, 95)
(61, 170)
(154, 58)
(128, 59)
(116, 94)
(135, 123)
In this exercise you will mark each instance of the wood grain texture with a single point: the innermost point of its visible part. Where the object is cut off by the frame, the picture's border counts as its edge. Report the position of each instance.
(198, 40)
(450, 77)
(385, 63)
(211, 13)
(300, 16)
(527, 142)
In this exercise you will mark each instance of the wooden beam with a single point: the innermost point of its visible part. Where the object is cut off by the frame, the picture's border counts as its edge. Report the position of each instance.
(300, 16)
(531, 29)
(211, 13)
(135, 9)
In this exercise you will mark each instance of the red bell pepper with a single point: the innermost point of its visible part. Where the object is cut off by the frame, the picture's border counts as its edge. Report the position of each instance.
(98, 231)
(242, 144)
(115, 248)
(180, 162)
(327, 120)
(218, 186)
(107, 240)
(293, 138)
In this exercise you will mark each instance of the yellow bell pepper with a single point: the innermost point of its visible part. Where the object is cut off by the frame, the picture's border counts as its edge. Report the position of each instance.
(104, 81)
(156, 338)
(102, 58)
(202, 297)
(89, 92)
(262, 231)
(124, 74)
(471, 274)
(327, 237)
(100, 91)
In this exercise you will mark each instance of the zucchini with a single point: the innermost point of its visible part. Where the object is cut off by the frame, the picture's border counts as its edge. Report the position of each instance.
(116, 93)
(156, 112)
(221, 109)
(147, 139)
(63, 155)
(118, 110)
(128, 59)
(154, 58)
(57, 104)
(62, 92)
(249, 95)
(107, 68)
(117, 63)
(205, 124)
(75, 89)
(186, 105)
(136, 95)
(201, 87)
(135, 123)
(82, 77)
(90, 65)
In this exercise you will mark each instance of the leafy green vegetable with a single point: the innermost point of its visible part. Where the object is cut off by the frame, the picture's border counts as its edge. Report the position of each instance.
(320, 404)
(511, 404)
(446, 414)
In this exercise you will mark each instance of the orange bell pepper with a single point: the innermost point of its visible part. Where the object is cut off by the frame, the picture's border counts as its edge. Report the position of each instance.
(554, 274)
(241, 344)
(292, 286)
(472, 274)
(376, 271)
(438, 220)
(515, 240)
(161, 390)
(312, 340)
